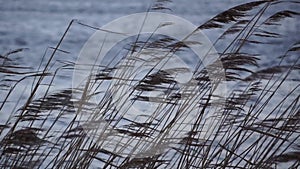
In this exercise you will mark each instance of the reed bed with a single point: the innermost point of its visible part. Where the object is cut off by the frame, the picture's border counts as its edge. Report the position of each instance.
(256, 126)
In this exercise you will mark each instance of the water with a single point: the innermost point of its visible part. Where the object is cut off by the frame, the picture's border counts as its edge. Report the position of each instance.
(37, 24)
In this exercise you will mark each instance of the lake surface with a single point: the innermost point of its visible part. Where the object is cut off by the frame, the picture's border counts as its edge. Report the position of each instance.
(37, 24)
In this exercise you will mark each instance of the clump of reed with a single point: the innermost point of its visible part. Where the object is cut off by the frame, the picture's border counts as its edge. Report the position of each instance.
(257, 127)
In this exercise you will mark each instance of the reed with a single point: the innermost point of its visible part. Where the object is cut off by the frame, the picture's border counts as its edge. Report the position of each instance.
(83, 127)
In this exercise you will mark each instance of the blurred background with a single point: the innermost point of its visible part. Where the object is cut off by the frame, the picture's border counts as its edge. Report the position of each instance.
(38, 24)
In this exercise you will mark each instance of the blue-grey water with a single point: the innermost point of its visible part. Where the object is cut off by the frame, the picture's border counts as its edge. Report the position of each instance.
(37, 24)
